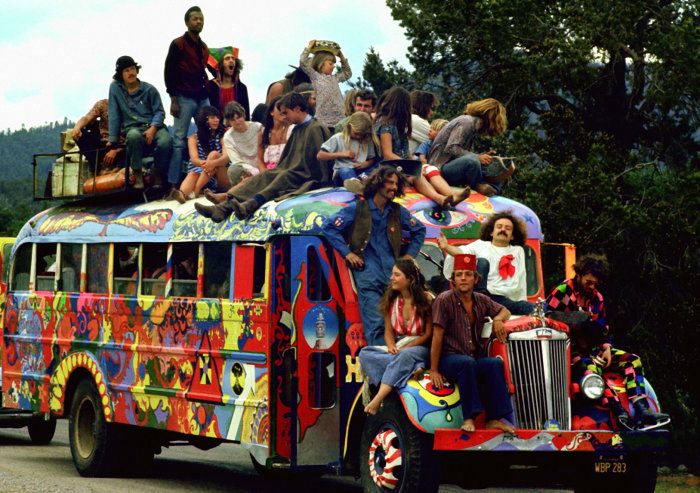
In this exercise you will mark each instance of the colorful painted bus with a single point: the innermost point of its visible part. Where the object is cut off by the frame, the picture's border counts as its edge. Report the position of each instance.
(147, 325)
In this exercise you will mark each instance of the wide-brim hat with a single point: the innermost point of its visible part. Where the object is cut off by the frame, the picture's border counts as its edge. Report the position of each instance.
(124, 62)
(409, 167)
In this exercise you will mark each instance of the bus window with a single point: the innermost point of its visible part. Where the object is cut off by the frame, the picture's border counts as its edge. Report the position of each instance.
(531, 271)
(6, 251)
(71, 256)
(428, 258)
(322, 380)
(126, 261)
(185, 269)
(316, 282)
(22, 268)
(97, 261)
(217, 269)
(45, 266)
(154, 268)
(259, 272)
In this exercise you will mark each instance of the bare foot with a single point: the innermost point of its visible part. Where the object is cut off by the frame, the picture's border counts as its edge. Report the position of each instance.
(497, 424)
(373, 407)
(468, 425)
(215, 198)
(418, 374)
(463, 195)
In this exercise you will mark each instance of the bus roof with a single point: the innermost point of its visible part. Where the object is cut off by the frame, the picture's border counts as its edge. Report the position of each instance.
(168, 221)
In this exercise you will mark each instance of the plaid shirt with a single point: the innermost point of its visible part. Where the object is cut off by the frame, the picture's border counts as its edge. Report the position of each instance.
(565, 298)
(460, 337)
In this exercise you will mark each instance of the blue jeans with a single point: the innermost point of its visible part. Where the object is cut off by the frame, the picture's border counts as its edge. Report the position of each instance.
(465, 170)
(348, 172)
(136, 148)
(477, 379)
(189, 108)
(515, 307)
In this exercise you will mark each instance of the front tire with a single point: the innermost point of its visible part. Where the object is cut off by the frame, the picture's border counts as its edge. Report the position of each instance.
(94, 443)
(396, 456)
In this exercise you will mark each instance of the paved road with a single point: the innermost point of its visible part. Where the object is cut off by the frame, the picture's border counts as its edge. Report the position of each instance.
(28, 468)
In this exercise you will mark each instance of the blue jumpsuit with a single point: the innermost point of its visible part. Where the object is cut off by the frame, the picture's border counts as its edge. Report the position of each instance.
(379, 260)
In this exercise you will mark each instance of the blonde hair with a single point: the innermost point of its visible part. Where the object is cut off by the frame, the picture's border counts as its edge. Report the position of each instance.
(437, 124)
(492, 113)
(350, 101)
(361, 123)
(319, 58)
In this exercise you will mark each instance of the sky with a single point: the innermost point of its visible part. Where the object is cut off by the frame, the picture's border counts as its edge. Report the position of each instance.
(59, 57)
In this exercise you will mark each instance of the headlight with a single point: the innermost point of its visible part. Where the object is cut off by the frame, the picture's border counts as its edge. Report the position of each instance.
(592, 386)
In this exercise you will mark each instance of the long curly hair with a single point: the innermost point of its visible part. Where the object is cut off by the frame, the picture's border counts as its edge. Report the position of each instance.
(596, 265)
(205, 134)
(519, 228)
(378, 177)
(416, 287)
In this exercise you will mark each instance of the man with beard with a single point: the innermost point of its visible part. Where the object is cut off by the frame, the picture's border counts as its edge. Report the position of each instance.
(592, 351)
(457, 353)
(186, 83)
(374, 226)
(136, 111)
(227, 85)
(297, 172)
(500, 261)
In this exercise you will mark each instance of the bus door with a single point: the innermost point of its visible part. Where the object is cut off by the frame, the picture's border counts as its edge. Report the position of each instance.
(317, 319)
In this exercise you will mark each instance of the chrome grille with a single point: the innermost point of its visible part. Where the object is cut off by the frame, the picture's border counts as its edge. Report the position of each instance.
(539, 373)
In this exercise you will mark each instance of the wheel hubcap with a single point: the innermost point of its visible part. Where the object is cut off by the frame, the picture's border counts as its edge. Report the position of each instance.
(85, 428)
(385, 459)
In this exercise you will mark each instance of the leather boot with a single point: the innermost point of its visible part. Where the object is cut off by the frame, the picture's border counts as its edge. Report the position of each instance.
(645, 418)
(622, 418)
(216, 213)
(245, 209)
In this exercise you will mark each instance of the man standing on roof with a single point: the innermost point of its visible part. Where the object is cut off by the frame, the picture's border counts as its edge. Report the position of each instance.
(136, 110)
(186, 83)
(374, 228)
(500, 261)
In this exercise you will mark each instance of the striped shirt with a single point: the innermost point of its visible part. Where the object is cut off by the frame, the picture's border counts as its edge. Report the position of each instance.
(460, 337)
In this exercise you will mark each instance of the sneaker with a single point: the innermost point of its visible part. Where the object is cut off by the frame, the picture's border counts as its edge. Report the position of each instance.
(138, 178)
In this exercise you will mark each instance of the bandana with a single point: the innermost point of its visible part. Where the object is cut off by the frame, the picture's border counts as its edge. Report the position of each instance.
(506, 268)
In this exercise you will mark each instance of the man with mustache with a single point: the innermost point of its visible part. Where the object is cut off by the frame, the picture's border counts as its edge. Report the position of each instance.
(500, 261)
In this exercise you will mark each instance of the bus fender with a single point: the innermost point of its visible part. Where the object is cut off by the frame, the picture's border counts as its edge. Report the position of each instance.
(429, 408)
(58, 385)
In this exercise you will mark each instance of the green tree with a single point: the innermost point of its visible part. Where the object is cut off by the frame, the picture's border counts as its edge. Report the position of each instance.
(626, 67)
(381, 77)
(603, 103)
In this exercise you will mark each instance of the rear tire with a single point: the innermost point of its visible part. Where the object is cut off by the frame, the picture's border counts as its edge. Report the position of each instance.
(94, 444)
(41, 431)
(395, 455)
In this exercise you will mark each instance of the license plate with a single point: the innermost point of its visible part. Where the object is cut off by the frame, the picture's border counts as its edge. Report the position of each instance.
(611, 466)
